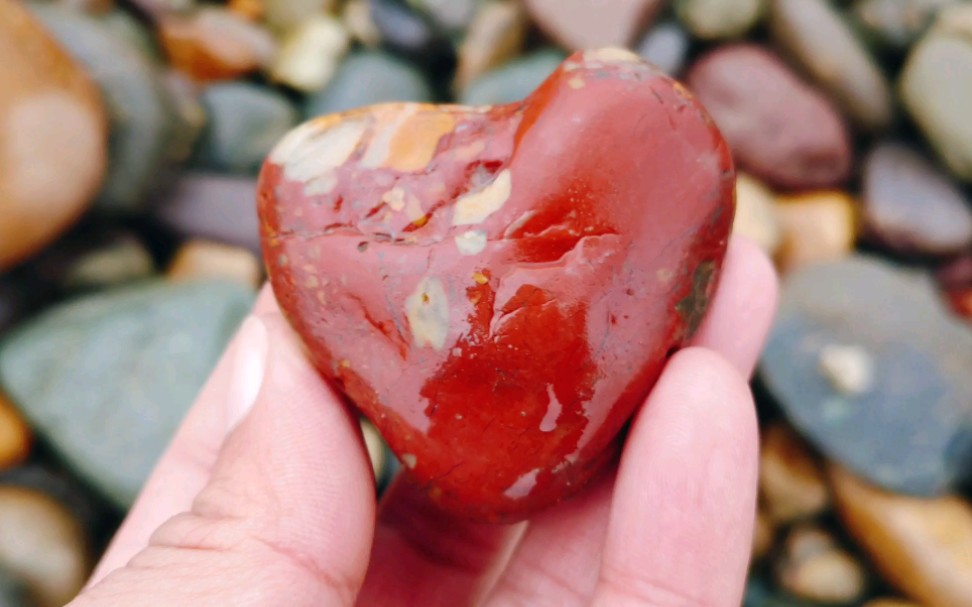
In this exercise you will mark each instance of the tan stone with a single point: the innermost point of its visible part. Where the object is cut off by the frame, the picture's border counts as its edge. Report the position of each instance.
(495, 36)
(815, 227)
(755, 215)
(200, 259)
(310, 53)
(812, 566)
(921, 546)
(53, 137)
(791, 483)
(357, 20)
(41, 544)
(15, 436)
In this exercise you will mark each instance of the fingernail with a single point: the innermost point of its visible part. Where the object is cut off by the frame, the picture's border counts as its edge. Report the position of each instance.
(249, 366)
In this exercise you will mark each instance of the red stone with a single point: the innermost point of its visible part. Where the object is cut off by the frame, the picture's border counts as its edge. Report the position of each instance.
(498, 288)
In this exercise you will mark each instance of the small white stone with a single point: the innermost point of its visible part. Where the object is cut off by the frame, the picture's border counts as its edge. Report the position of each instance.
(848, 368)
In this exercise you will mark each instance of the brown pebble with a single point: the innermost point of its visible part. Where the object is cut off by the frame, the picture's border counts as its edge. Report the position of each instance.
(15, 436)
(816, 227)
(812, 566)
(791, 483)
(755, 214)
(199, 259)
(763, 535)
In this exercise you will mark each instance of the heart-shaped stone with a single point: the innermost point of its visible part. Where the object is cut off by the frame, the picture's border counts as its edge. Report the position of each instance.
(498, 288)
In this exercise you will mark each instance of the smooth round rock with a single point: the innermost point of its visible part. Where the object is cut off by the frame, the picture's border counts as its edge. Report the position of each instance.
(203, 260)
(719, 19)
(368, 78)
(589, 24)
(42, 545)
(936, 88)
(791, 482)
(815, 227)
(870, 367)
(755, 214)
(910, 206)
(140, 111)
(127, 363)
(513, 81)
(897, 24)
(813, 567)
(495, 36)
(245, 122)
(666, 45)
(409, 32)
(53, 137)
(15, 435)
(816, 36)
(284, 16)
(212, 207)
(780, 129)
(921, 546)
(310, 53)
(356, 17)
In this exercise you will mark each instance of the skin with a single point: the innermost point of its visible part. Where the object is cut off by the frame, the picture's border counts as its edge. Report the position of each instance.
(265, 496)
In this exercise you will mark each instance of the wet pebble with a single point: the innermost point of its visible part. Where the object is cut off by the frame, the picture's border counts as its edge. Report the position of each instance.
(910, 206)
(719, 19)
(921, 546)
(202, 260)
(870, 367)
(42, 546)
(780, 129)
(826, 47)
(53, 137)
(586, 24)
(814, 567)
(310, 53)
(513, 81)
(666, 45)
(495, 36)
(815, 227)
(244, 122)
(127, 363)
(755, 214)
(791, 482)
(936, 88)
(366, 78)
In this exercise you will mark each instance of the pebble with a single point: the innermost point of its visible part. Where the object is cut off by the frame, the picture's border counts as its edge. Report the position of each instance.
(245, 122)
(94, 258)
(780, 129)
(665, 45)
(719, 19)
(203, 260)
(869, 366)
(140, 111)
(411, 33)
(815, 227)
(127, 363)
(284, 16)
(53, 137)
(897, 24)
(825, 46)
(812, 566)
(513, 81)
(452, 15)
(588, 24)
(215, 43)
(791, 483)
(763, 535)
(910, 206)
(936, 89)
(212, 207)
(755, 214)
(42, 546)
(921, 546)
(367, 78)
(15, 436)
(310, 53)
(357, 20)
(495, 36)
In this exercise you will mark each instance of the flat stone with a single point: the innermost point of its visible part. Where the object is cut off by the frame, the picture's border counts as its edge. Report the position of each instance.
(791, 482)
(513, 81)
(755, 214)
(909, 206)
(310, 53)
(367, 78)
(825, 46)
(127, 363)
(923, 547)
(245, 122)
(815, 227)
(869, 366)
(666, 45)
(780, 130)
(814, 567)
(719, 19)
(202, 260)
(141, 112)
(589, 24)
(212, 207)
(34, 529)
(495, 36)
(53, 137)
(936, 88)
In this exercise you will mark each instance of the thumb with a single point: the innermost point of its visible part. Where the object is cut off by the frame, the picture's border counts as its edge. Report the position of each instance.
(287, 514)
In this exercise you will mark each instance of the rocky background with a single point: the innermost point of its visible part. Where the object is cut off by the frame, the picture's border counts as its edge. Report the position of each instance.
(131, 132)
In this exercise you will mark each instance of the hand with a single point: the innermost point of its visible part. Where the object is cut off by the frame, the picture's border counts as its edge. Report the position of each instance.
(265, 496)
